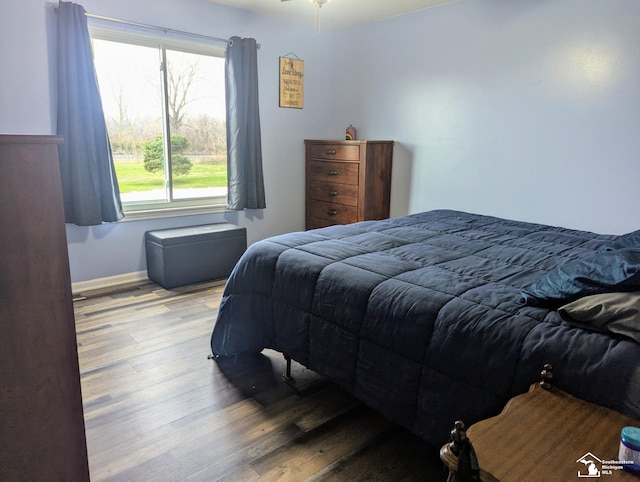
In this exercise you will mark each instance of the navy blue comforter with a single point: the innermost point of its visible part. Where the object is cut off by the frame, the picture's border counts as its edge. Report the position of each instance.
(422, 317)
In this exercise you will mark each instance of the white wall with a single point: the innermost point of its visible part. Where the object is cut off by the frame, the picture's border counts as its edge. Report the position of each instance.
(521, 109)
(25, 97)
(515, 108)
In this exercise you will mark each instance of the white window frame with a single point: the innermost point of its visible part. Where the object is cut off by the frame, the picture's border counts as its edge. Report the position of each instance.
(134, 34)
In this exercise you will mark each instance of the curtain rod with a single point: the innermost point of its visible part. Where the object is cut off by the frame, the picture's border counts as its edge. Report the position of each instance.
(155, 27)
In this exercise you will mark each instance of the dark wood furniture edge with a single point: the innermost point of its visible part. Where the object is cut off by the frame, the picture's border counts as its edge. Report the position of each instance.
(449, 455)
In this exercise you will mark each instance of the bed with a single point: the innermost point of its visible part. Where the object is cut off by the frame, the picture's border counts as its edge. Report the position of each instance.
(442, 315)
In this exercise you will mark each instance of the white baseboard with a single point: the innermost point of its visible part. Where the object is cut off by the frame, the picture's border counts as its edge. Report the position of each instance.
(109, 281)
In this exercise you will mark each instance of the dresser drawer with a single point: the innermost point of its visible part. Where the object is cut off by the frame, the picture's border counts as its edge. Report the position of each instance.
(334, 151)
(333, 213)
(339, 172)
(333, 192)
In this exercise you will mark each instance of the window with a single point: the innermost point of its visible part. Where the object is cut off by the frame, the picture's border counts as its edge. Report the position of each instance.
(164, 104)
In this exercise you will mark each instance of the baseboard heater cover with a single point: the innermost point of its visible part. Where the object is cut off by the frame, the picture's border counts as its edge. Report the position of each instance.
(192, 254)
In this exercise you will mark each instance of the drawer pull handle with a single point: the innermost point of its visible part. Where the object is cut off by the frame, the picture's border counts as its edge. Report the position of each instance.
(332, 212)
(333, 193)
(330, 151)
(332, 172)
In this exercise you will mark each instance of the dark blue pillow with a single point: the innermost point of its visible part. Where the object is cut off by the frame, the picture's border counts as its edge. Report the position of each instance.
(601, 272)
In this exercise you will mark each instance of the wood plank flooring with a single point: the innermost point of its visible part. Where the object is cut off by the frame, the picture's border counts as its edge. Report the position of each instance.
(157, 409)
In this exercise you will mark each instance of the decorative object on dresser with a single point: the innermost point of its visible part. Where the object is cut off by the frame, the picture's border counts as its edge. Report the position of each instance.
(42, 433)
(347, 181)
(350, 133)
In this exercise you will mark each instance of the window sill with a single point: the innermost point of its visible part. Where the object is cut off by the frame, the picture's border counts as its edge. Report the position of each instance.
(172, 212)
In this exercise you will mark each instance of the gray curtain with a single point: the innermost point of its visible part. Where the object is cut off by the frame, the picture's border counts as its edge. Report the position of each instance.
(244, 145)
(89, 183)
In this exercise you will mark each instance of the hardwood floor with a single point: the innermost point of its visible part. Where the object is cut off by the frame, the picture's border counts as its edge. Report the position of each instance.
(157, 409)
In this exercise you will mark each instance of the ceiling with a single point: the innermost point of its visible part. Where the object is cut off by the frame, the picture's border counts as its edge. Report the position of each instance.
(335, 13)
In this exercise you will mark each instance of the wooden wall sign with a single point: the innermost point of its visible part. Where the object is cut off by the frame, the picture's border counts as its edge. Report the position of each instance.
(291, 83)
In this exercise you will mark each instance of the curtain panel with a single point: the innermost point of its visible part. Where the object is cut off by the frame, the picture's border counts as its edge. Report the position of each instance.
(244, 145)
(90, 187)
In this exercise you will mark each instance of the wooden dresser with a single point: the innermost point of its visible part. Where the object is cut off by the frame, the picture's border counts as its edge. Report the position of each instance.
(42, 433)
(347, 181)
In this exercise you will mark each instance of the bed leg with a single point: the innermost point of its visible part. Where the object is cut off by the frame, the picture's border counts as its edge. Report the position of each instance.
(287, 375)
